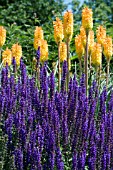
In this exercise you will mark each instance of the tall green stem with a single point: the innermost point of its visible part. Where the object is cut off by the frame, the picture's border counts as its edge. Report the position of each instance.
(97, 74)
(90, 62)
(86, 64)
(90, 68)
(0, 74)
(68, 63)
(107, 76)
(38, 74)
(80, 71)
(59, 67)
(0, 55)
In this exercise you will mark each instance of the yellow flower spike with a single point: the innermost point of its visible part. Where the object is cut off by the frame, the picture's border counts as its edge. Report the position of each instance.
(68, 25)
(2, 36)
(38, 35)
(79, 46)
(68, 33)
(58, 35)
(87, 20)
(63, 52)
(7, 57)
(17, 53)
(96, 55)
(37, 43)
(108, 48)
(58, 30)
(101, 34)
(83, 35)
(108, 54)
(91, 41)
(44, 51)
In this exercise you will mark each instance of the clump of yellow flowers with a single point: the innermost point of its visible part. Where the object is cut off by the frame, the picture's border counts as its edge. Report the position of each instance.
(40, 42)
(8, 54)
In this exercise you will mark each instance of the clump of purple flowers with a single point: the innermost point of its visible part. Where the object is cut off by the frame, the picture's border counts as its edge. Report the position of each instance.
(44, 129)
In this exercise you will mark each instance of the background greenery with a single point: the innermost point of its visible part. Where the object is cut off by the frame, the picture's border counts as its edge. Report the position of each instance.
(20, 18)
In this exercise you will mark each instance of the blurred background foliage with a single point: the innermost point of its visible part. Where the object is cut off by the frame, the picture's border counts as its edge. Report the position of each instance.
(20, 18)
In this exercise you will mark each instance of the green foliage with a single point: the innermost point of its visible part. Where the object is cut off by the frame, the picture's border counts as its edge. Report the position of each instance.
(29, 12)
(21, 17)
(24, 38)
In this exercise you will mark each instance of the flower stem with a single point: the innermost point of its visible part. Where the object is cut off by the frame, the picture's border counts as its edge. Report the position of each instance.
(67, 63)
(107, 76)
(38, 74)
(80, 71)
(59, 76)
(99, 77)
(0, 55)
(86, 64)
(96, 70)
(90, 69)
(90, 61)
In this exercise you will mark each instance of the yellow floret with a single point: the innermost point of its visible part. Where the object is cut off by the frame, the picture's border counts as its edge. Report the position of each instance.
(58, 30)
(43, 51)
(108, 48)
(101, 35)
(63, 52)
(96, 55)
(2, 36)
(7, 57)
(68, 25)
(90, 41)
(87, 20)
(79, 46)
(17, 52)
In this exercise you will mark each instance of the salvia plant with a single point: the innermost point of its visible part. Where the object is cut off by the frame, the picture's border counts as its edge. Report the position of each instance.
(41, 128)
(50, 124)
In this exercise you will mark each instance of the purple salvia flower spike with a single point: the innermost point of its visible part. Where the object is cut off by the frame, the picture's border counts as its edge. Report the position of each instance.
(63, 79)
(59, 161)
(14, 65)
(74, 161)
(18, 155)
